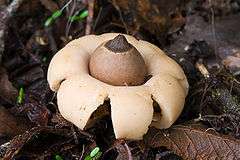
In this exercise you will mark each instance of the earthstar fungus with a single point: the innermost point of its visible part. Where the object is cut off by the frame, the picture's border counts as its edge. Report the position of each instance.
(118, 63)
(114, 67)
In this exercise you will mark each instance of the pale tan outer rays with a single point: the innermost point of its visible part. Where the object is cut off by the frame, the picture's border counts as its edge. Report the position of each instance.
(170, 96)
(131, 107)
(80, 94)
(157, 61)
(78, 97)
(131, 111)
(69, 61)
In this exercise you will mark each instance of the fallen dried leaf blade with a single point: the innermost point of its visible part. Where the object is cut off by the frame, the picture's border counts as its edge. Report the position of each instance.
(195, 142)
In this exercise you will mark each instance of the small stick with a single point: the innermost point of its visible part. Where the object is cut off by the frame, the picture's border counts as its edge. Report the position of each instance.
(5, 15)
(12, 8)
(90, 17)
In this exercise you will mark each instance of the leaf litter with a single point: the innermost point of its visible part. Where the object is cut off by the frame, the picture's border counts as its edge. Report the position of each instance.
(34, 129)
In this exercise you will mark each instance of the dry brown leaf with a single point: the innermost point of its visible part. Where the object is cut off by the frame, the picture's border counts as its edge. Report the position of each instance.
(195, 142)
(18, 142)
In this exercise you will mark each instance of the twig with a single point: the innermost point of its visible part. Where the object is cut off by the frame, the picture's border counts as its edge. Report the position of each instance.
(128, 151)
(12, 8)
(213, 27)
(90, 17)
(83, 150)
(121, 16)
(6, 14)
(97, 19)
(74, 135)
(69, 23)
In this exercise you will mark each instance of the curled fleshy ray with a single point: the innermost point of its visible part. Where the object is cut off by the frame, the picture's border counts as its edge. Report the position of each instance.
(79, 94)
(131, 111)
(69, 61)
(170, 96)
(78, 97)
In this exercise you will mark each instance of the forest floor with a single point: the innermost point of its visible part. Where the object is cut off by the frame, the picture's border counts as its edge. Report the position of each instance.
(202, 36)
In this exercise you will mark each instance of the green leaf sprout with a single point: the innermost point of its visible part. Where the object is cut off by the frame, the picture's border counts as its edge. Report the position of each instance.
(48, 22)
(52, 18)
(59, 12)
(55, 15)
(44, 59)
(88, 158)
(94, 155)
(98, 155)
(58, 157)
(80, 16)
(21, 96)
(94, 152)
